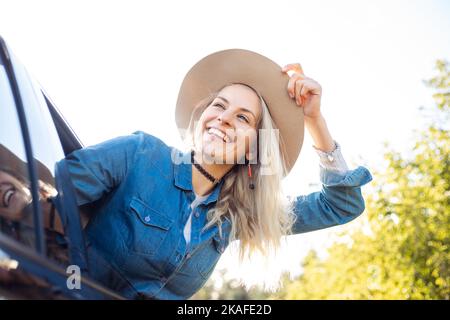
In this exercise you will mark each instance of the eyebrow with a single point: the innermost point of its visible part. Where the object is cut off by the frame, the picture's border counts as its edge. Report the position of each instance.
(241, 108)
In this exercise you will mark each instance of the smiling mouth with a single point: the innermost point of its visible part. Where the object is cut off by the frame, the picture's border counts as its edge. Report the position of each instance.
(219, 134)
(7, 195)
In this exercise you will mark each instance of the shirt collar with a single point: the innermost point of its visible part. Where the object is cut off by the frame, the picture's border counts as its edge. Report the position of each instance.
(182, 172)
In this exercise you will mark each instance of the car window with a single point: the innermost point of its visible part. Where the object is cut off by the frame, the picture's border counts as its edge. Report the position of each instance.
(37, 189)
(16, 212)
(45, 142)
(47, 151)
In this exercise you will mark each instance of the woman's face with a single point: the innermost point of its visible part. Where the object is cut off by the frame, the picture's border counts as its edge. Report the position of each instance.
(14, 196)
(229, 125)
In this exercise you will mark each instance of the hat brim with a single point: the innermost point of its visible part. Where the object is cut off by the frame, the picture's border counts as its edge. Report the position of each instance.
(12, 164)
(221, 68)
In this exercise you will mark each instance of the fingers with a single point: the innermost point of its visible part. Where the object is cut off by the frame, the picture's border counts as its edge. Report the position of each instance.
(296, 67)
(292, 83)
(297, 76)
(299, 85)
(305, 87)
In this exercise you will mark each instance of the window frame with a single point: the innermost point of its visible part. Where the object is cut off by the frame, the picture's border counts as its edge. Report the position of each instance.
(5, 59)
(36, 262)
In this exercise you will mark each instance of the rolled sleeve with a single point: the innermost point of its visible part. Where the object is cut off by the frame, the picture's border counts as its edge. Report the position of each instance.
(333, 160)
(339, 201)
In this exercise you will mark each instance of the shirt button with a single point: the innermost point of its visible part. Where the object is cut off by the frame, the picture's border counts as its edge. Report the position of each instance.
(222, 249)
(147, 219)
(196, 214)
(188, 255)
(330, 157)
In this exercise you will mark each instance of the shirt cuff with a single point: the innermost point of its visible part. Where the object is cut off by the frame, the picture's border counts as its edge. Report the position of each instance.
(333, 160)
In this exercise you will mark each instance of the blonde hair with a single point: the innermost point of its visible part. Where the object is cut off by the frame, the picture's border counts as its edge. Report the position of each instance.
(259, 217)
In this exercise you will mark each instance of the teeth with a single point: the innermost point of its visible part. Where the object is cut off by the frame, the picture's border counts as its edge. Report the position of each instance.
(216, 132)
(219, 134)
(7, 197)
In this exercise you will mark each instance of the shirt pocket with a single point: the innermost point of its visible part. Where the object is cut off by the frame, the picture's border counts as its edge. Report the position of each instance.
(148, 226)
(208, 256)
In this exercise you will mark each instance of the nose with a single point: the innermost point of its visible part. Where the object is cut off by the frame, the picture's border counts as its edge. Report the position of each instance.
(225, 117)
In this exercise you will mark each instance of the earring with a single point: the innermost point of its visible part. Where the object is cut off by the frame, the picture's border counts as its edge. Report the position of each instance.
(249, 172)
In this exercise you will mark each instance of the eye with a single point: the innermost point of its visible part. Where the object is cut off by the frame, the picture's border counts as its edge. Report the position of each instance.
(243, 118)
(219, 105)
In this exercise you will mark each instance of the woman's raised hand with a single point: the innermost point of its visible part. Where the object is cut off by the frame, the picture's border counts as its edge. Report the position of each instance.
(306, 91)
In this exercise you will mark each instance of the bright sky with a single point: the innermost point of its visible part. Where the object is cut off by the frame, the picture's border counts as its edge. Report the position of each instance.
(114, 67)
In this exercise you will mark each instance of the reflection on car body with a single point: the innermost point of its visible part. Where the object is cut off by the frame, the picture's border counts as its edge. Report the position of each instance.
(40, 228)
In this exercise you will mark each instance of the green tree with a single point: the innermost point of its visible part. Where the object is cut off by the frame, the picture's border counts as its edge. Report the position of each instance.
(400, 249)
(230, 289)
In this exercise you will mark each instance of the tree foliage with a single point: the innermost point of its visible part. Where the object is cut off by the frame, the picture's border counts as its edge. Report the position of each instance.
(400, 249)
(230, 289)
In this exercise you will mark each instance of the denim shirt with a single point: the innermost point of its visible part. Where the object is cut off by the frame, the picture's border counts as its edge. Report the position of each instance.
(140, 190)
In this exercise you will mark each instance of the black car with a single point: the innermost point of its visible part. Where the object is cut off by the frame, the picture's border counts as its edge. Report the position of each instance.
(35, 261)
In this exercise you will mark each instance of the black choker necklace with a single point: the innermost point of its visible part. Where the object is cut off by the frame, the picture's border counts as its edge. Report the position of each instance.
(202, 170)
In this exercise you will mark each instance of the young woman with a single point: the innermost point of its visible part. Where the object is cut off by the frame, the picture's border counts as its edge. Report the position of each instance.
(161, 217)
